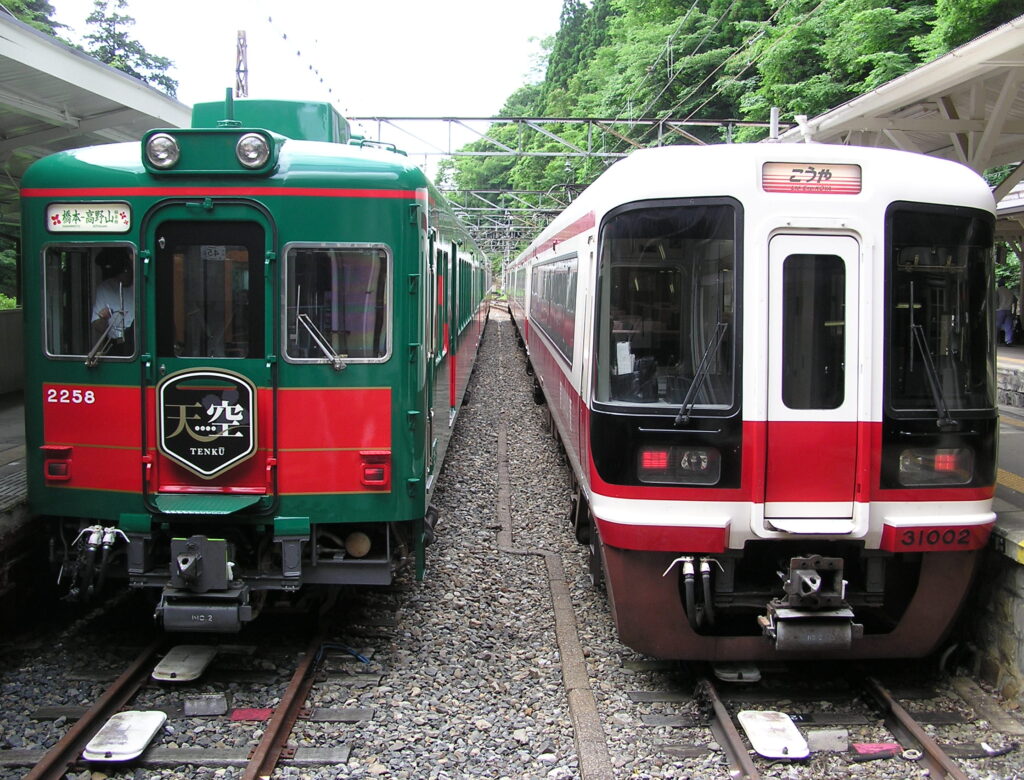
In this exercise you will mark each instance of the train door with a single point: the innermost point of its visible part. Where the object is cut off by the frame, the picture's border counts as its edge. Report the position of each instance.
(430, 308)
(813, 337)
(210, 325)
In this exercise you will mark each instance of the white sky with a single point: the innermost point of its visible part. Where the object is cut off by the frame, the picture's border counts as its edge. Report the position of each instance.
(378, 57)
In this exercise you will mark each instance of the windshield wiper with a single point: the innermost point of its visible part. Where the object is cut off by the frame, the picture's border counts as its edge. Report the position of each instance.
(945, 421)
(703, 368)
(337, 363)
(100, 346)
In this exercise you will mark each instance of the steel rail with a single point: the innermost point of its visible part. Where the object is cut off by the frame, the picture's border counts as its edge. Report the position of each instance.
(907, 730)
(66, 752)
(726, 734)
(273, 744)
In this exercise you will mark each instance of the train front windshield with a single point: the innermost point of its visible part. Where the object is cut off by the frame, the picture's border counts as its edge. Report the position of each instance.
(939, 328)
(666, 322)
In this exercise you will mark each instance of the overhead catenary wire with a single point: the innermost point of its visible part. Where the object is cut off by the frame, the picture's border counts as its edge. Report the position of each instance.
(746, 45)
(697, 48)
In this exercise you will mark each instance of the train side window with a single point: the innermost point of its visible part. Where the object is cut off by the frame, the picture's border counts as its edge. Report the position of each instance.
(338, 295)
(813, 331)
(553, 302)
(89, 301)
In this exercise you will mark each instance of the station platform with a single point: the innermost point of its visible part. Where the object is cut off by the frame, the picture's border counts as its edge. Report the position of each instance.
(12, 455)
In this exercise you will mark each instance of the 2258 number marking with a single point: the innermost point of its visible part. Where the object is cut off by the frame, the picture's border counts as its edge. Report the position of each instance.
(933, 536)
(70, 396)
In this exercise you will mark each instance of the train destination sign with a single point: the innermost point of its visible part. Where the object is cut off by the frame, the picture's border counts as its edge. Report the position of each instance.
(207, 420)
(88, 217)
(811, 178)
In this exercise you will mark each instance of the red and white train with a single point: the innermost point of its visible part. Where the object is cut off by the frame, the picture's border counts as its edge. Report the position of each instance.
(771, 367)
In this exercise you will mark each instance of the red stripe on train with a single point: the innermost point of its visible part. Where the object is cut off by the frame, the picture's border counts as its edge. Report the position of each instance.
(171, 192)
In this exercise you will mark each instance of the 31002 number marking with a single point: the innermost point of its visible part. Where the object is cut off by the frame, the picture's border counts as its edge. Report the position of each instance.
(934, 536)
(70, 396)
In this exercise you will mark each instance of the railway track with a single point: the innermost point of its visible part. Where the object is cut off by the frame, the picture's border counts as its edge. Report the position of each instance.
(502, 662)
(648, 723)
(266, 694)
(945, 728)
(260, 761)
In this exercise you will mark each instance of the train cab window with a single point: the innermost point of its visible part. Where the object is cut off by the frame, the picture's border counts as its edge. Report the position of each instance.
(89, 293)
(939, 313)
(337, 303)
(210, 275)
(666, 325)
(813, 331)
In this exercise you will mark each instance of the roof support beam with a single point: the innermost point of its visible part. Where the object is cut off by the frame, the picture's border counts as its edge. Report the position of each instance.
(997, 118)
(1007, 184)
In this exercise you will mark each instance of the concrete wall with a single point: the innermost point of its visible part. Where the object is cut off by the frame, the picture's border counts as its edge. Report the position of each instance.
(995, 613)
(12, 351)
(1010, 384)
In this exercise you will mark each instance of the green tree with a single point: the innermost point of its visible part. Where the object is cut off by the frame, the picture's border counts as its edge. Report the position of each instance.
(110, 42)
(959, 21)
(8, 277)
(712, 59)
(38, 13)
(812, 56)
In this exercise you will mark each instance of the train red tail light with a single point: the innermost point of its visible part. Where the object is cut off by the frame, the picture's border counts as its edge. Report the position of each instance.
(654, 460)
(679, 465)
(375, 469)
(926, 466)
(56, 463)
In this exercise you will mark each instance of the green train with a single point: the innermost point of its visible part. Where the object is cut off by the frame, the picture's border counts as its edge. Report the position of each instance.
(246, 345)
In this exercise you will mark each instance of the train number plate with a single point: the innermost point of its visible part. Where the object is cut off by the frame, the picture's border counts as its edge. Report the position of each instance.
(925, 539)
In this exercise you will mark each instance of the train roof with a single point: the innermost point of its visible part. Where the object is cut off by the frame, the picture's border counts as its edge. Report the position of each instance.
(736, 170)
(300, 164)
(301, 120)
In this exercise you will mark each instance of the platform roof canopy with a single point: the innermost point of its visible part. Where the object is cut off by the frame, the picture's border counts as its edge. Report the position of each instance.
(966, 106)
(54, 97)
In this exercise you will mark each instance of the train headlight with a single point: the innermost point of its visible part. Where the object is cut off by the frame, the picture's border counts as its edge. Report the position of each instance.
(162, 151)
(930, 466)
(679, 465)
(252, 150)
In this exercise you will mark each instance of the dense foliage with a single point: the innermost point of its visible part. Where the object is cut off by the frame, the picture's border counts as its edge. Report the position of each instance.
(8, 276)
(714, 59)
(37, 13)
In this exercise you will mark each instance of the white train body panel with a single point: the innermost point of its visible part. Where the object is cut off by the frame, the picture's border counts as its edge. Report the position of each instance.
(802, 387)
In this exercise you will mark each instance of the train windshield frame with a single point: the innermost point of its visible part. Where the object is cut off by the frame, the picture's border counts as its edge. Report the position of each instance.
(940, 353)
(211, 278)
(667, 325)
(337, 303)
(89, 291)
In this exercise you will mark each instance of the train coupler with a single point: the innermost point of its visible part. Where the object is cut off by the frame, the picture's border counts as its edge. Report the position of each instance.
(221, 611)
(813, 614)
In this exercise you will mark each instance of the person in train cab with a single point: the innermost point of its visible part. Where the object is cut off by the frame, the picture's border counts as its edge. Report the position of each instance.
(1004, 312)
(114, 304)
